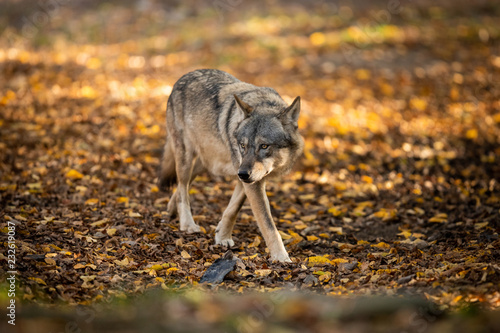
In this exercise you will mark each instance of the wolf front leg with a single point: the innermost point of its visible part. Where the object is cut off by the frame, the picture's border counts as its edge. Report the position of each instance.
(256, 194)
(225, 228)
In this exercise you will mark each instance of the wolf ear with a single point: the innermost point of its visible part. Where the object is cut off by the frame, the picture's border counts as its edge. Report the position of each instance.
(291, 113)
(247, 109)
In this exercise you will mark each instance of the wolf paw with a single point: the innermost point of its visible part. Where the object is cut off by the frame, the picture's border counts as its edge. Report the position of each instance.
(227, 242)
(281, 258)
(191, 228)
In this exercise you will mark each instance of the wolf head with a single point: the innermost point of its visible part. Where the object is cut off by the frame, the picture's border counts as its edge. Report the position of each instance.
(268, 140)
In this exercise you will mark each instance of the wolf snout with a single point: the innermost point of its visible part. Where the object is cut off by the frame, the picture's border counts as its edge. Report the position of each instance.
(244, 175)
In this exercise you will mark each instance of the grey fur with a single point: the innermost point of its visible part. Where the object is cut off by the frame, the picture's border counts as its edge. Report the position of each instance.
(218, 123)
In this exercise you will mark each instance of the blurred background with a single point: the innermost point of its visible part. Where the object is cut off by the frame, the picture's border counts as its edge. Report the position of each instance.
(401, 117)
(421, 73)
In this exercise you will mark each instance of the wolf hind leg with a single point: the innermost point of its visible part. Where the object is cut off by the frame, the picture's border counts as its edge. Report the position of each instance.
(184, 165)
(172, 204)
(225, 227)
(167, 175)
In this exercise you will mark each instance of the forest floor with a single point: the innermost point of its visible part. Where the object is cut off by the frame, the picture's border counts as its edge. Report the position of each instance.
(391, 217)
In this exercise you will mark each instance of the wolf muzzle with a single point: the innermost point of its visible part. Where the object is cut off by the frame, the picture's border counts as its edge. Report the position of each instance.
(244, 175)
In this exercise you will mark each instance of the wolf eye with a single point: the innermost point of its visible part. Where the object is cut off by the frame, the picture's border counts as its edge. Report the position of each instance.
(242, 145)
(264, 146)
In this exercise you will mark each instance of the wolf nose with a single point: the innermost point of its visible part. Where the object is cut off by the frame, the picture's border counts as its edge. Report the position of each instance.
(244, 175)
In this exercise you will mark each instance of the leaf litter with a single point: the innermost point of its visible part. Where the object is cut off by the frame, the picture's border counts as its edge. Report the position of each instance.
(397, 192)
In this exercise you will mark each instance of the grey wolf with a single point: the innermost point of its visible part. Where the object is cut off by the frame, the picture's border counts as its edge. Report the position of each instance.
(219, 124)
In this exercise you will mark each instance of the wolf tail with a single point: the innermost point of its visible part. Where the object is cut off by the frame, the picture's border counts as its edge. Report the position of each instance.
(167, 176)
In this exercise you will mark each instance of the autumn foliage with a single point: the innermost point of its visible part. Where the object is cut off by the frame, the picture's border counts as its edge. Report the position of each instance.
(397, 192)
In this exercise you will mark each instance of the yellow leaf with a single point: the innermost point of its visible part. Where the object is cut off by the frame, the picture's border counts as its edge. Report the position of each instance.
(185, 255)
(124, 200)
(367, 179)
(256, 242)
(324, 278)
(78, 266)
(312, 238)
(337, 230)
(309, 218)
(324, 235)
(50, 261)
(318, 261)
(299, 225)
(73, 174)
(419, 211)
(418, 103)
(362, 74)
(88, 278)
(88, 92)
(456, 300)
(386, 89)
(439, 218)
(10, 95)
(496, 118)
(335, 211)
(405, 233)
(123, 262)
(171, 269)
(80, 188)
(157, 267)
(339, 261)
(100, 222)
(134, 214)
(471, 134)
(34, 186)
(92, 201)
(382, 245)
(93, 63)
(307, 197)
(250, 257)
(263, 272)
(37, 280)
(111, 231)
(480, 225)
(296, 238)
(317, 39)
(284, 236)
